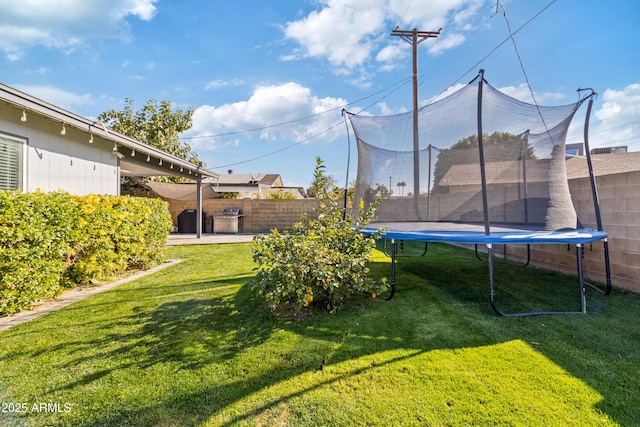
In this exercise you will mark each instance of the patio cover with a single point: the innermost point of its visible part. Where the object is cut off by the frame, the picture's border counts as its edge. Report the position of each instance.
(186, 191)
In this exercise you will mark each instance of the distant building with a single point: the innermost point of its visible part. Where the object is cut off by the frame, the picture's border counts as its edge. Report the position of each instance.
(229, 185)
(572, 150)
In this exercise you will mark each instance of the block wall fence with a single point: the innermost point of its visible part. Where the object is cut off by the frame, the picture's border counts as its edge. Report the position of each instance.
(260, 216)
(619, 196)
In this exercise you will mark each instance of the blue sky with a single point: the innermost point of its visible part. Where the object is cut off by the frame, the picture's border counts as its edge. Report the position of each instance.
(265, 75)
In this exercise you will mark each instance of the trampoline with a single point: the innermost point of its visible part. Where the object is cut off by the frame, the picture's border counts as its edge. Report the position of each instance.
(481, 168)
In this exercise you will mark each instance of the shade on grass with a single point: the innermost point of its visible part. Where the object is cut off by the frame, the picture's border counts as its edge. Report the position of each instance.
(189, 346)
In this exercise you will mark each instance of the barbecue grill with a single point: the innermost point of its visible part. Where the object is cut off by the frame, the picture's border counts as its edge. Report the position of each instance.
(226, 221)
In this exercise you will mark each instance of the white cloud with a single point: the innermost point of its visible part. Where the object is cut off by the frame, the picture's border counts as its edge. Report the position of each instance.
(445, 93)
(67, 24)
(220, 83)
(522, 93)
(446, 42)
(58, 97)
(340, 32)
(391, 52)
(348, 33)
(619, 119)
(39, 70)
(268, 106)
(385, 110)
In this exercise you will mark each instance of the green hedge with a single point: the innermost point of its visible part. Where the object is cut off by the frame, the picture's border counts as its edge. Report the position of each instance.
(49, 241)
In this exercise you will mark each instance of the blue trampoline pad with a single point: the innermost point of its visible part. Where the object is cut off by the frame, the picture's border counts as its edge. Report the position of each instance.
(475, 234)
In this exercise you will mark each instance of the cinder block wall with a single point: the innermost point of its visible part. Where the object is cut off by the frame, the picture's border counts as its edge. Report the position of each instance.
(619, 204)
(260, 216)
(619, 196)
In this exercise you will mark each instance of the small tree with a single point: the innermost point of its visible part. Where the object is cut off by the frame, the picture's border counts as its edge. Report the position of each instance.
(281, 195)
(319, 261)
(156, 124)
(229, 195)
(328, 183)
(497, 146)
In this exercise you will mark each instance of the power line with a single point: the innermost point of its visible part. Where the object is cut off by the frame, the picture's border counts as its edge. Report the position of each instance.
(397, 87)
(407, 10)
(524, 72)
(398, 83)
(394, 86)
(510, 37)
(280, 150)
(486, 17)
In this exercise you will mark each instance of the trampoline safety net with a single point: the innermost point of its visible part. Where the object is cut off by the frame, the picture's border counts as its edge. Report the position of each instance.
(514, 174)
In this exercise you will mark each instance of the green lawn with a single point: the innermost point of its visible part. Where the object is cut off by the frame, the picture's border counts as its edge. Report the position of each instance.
(188, 346)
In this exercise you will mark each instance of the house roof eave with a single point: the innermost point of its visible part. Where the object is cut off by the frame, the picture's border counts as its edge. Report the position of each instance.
(163, 163)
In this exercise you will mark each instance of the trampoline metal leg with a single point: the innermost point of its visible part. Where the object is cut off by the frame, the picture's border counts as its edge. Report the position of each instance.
(523, 265)
(583, 298)
(384, 249)
(583, 301)
(393, 270)
(492, 290)
(607, 266)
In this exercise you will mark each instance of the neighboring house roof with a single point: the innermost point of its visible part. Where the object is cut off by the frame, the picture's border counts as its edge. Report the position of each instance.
(502, 172)
(505, 172)
(269, 180)
(136, 158)
(603, 164)
(245, 182)
(226, 183)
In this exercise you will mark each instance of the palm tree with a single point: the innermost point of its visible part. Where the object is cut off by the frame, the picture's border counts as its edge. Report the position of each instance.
(401, 186)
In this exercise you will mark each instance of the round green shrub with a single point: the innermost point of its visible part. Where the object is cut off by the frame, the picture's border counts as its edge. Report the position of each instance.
(317, 262)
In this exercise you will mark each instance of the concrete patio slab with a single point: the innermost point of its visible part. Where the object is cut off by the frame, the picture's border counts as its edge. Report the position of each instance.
(208, 239)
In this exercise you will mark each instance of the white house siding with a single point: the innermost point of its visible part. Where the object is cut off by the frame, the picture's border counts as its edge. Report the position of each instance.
(61, 162)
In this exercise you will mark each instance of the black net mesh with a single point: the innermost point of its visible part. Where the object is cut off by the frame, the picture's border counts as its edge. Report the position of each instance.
(524, 185)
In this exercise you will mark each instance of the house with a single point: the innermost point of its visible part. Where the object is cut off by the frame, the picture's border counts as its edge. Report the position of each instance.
(466, 177)
(44, 147)
(48, 148)
(230, 185)
(604, 164)
(254, 186)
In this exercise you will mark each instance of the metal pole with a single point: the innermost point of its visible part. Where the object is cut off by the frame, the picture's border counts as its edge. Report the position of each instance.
(199, 207)
(345, 203)
(594, 192)
(415, 37)
(429, 148)
(483, 175)
(416, 134)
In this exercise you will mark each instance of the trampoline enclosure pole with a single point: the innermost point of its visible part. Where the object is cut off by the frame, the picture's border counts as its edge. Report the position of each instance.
(483, 175)
(594, 192)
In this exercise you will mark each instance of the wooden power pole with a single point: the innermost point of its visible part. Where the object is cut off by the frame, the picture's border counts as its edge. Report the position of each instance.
(414, 38)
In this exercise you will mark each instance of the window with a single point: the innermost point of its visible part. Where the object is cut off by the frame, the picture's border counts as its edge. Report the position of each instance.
(10, 163)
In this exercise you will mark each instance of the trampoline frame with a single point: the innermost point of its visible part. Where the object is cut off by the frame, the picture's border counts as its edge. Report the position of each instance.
(489, 235)
(578, 237)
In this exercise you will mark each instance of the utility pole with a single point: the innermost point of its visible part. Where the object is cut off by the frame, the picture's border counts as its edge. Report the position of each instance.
(414, 38)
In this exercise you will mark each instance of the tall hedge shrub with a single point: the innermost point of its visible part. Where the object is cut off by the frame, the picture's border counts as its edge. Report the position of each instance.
(35, 231)
(53, 240)
(116, 233)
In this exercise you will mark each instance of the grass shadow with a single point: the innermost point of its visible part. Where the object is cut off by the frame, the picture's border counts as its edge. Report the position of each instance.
(217, 348)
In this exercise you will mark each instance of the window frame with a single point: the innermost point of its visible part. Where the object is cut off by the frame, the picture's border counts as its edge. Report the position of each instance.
(20, 177)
